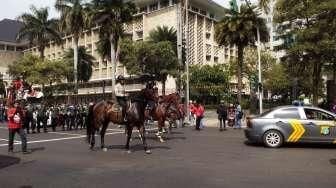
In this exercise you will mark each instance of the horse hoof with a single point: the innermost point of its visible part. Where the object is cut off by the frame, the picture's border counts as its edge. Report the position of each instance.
(148, 151)
(129, 151)
(105, 149)
(161, 140)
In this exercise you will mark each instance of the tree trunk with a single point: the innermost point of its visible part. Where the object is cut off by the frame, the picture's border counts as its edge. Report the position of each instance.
(316, 81)
(239, 71)
(113, 63)
(75, 64)
(41, 51)
(164, 87)
(334, 73)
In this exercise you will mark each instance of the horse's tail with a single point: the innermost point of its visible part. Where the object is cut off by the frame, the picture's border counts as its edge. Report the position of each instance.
(90, 126)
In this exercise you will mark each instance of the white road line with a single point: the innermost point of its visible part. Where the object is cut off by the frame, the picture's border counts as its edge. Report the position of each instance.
(70, 134)
(58, 139)
(8, 140)
(133, 129)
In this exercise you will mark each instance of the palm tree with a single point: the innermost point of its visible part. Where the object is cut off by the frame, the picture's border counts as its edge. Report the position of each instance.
(84, 66)
(164, 33)
(73, 21)
(38, 29)
(240, 29)
(111, 15)
(264, 5)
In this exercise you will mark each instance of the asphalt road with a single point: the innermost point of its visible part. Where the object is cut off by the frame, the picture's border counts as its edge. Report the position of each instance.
(188, 159)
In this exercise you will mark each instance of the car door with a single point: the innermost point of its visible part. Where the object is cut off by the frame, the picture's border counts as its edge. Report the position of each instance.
(321, 125)
(288, 120)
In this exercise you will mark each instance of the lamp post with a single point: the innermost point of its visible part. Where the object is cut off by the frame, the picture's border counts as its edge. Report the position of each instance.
(260, 88)
(186, 30)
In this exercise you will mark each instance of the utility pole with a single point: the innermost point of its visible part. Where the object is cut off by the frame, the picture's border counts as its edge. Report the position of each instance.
(260, 88)
(179, 37)
(186, 34)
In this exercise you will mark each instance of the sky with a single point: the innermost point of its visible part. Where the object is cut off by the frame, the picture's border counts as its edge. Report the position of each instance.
(12, 8)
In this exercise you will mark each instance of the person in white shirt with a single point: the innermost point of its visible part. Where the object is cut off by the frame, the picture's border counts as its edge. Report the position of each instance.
(121, 94)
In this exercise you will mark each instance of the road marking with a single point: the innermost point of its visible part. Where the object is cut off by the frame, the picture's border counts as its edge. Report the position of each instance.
(1, 139)
(153, 129)
(70, 134)
(58, 139)
(298, 131)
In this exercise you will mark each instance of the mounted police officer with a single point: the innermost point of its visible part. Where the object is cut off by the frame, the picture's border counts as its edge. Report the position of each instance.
(149, 93)
(121, 95)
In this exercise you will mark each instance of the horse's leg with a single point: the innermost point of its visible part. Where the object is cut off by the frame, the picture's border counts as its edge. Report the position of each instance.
(102, 135)
(142, 131)
(159, 133)
(92, 140)
(129, 135)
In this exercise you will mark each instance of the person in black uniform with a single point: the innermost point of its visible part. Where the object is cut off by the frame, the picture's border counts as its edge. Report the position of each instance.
(222, 115)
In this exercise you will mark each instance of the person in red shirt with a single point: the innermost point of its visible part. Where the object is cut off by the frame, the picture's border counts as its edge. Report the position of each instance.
(199, 112)
(192, 113)
(15, 120)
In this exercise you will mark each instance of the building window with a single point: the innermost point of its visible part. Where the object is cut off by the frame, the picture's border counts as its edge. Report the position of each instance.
(208, 57)
(203, 12)
(153, 7)
(208, 35)
(143, 9)
(139, 34)
(216, 59)
(194, 9)
(10, 48)
(164, 3)
(2, 47)
(212, 16)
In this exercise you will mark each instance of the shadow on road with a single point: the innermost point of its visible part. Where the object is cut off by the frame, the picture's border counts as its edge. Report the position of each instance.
(37, 149)
(136, 147)
(297, 145)
(6, 161)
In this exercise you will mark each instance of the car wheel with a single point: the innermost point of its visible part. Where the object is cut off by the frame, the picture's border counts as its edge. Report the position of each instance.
(273, 139)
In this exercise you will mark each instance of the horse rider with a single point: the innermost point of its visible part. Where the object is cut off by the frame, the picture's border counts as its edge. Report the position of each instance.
(149, 94)
(121, 95)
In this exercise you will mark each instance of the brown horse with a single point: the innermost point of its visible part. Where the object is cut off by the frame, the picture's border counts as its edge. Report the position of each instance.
(104, 112)
(167, 108)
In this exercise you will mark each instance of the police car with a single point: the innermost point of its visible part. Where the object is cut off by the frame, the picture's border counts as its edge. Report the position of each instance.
(292, 124)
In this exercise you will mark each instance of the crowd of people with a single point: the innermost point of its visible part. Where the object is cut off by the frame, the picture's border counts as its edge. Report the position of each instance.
(227, 115)
(33, 118)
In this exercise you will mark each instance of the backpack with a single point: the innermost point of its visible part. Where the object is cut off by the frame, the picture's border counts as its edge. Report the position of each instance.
(240, 114)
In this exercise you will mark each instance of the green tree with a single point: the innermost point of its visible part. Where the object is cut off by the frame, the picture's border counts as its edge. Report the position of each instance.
(158, 59)
(111, 15)
(240, 29)
(164, 33)
(38, 29)
(74, 19)
(84, 66)
(36, 70)
(311, 26)
(250, 67)
(276, 79)
(210, 80)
